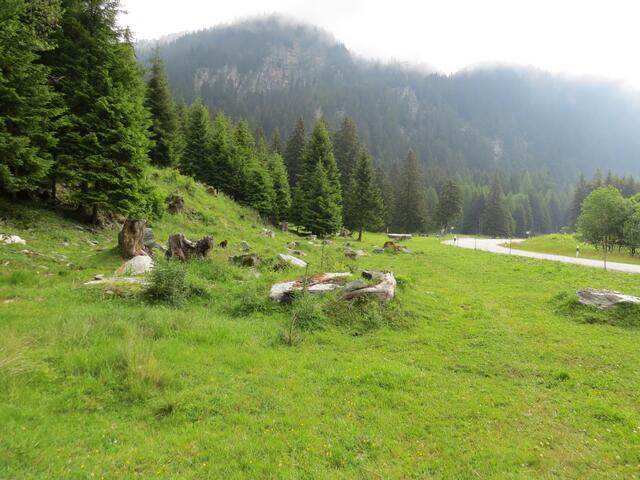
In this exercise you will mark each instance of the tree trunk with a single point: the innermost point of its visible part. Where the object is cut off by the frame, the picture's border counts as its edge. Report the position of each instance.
(94, 215)
(360, 234)
(54, 189)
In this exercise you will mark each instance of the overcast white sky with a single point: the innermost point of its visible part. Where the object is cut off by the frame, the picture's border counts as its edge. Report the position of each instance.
(588, 37)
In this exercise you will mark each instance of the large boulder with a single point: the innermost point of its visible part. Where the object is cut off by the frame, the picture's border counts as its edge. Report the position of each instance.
(384, 290)
(136, 266)
(131, 238)
(185, 249)
(604, 299)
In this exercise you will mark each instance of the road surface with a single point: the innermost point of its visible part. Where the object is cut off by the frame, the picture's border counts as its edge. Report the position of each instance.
(495, 245)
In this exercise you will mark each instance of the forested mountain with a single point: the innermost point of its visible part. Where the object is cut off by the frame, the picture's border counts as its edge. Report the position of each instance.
(271, 72)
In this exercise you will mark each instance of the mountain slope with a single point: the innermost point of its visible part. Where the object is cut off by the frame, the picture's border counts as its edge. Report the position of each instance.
(271, 72)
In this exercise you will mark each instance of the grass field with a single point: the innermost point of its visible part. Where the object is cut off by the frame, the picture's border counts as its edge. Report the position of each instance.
(565, 244)
(485, 370)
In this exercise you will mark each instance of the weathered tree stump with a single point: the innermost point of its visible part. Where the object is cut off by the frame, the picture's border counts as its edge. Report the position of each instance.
(384, 290)
(175, 203)
(185, 249)
(131, 238)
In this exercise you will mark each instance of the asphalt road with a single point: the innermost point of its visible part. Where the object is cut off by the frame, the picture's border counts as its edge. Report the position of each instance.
(495, 245)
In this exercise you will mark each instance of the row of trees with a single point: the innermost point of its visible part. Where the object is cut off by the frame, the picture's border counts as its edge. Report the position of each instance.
(609, 220)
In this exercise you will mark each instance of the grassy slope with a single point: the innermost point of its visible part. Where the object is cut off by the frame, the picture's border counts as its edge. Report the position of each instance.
(489, 382)
(565, 244)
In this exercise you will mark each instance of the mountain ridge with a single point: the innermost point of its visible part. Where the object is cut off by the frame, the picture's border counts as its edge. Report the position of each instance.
(272, 71)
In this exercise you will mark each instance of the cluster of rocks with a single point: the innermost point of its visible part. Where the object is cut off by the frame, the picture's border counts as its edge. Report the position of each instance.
(384, 289)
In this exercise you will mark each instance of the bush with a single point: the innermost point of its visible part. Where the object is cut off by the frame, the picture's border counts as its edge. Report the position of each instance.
(252, 300)
(169, 284)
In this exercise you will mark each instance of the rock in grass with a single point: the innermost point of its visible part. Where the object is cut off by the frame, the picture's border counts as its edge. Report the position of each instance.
(244, 245)
(12, 239)
(246, 260)
(136, 266)
(268, 233)
(354, 254)
(317, 284)
(384, 290)
(604, 299)
(291, 260)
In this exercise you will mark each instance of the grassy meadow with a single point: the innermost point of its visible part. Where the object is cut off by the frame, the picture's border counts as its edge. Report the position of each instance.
(565, 244)
(483, 367)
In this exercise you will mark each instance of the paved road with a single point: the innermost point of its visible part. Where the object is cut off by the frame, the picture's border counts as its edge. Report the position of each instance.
(495, 245)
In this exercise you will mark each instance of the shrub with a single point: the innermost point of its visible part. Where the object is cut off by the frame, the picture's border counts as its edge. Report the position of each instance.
(169, 284)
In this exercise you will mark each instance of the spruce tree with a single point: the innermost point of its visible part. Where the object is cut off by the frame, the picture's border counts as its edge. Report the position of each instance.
(496, 219)
(319, 150)
(282, 192)
(294, 153)
(388, 199)
(164, 128)
(347, 150)
(104, 142)
(449, 205)
(197, 158)
(27, 103)
(225, 164)
(363, 201)
(411, 207)
(322, 215)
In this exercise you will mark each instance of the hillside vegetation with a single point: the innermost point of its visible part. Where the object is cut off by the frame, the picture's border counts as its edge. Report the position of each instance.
(482, 367)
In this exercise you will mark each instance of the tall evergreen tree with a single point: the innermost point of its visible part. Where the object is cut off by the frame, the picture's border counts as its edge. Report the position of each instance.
(197, 158)
(282, 194)
(411, 197)
(347, 149)
(388, 198)
(104, 143)
(363, 202)
(496, 219)
(449, 205)
(27, 108)
(319, 151)
(581, 192)
(164, 128)
(225, 170)
(294, 153)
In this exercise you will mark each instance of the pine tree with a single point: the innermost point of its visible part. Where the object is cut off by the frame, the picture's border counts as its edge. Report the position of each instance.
(27, 103)
(581, 192)
(165, 124)
(496, 219)
(104, 143)
(347, 149)
(197, 158)
(363, 201)
(282, 193)
(322, 216)
(411, 204)
(449, 205)
(294, 153)
(319, 150)
(388, 199)
(225, 169)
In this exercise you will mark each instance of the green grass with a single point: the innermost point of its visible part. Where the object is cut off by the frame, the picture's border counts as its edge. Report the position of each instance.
(565, 244)
(483, 368)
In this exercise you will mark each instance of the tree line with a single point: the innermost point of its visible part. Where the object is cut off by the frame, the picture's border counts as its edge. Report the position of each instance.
(80, 123)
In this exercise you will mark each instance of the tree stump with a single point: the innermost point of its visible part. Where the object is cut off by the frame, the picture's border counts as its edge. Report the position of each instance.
(175, 203)
(131, 238)
(185, 249)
